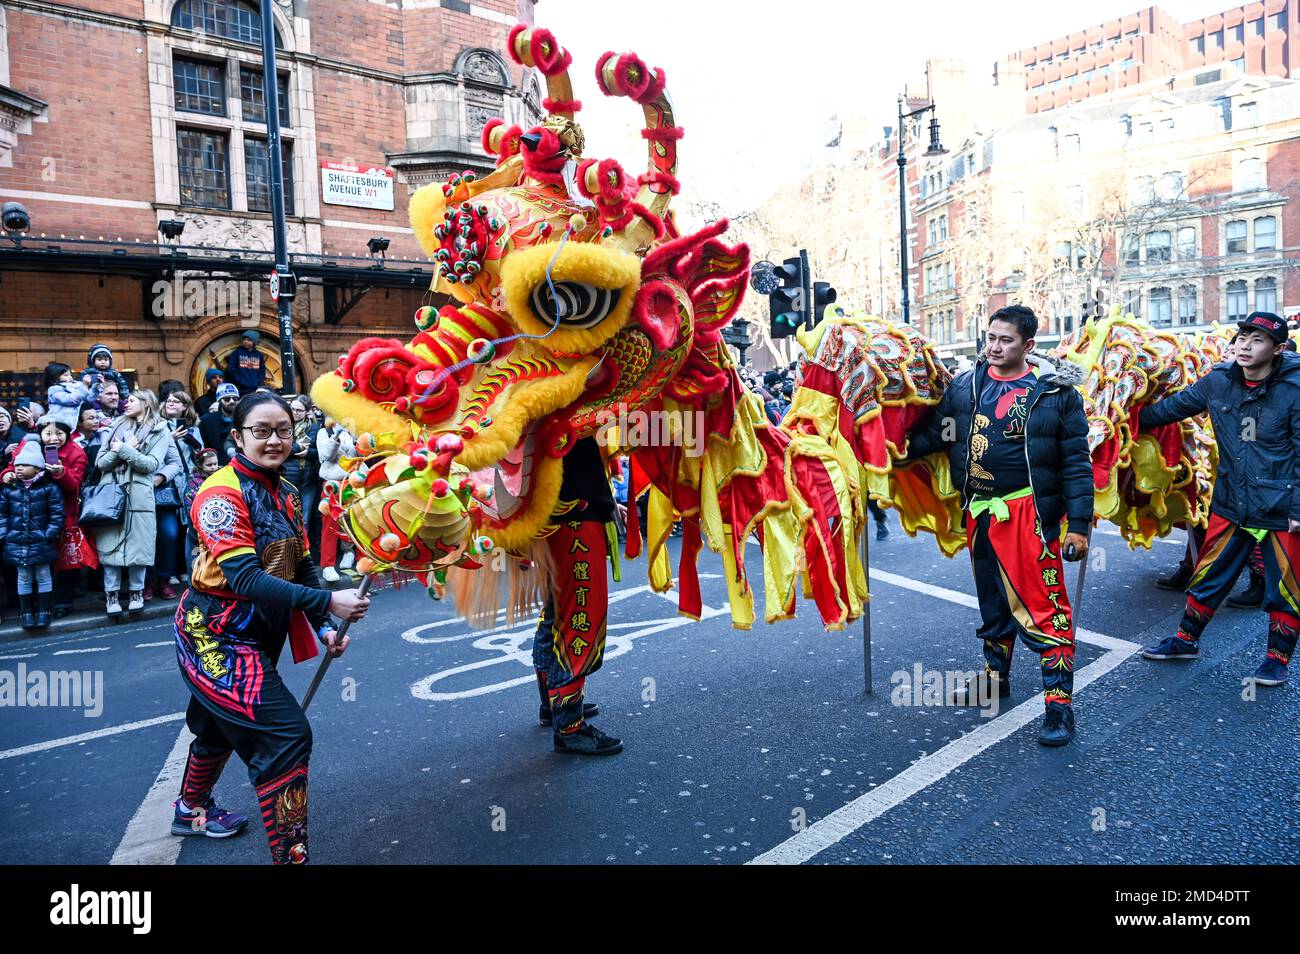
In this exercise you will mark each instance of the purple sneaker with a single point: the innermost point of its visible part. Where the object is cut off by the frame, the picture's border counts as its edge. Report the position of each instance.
(207, 820)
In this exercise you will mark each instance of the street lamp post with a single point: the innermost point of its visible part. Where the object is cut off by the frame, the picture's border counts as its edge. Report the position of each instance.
(285, 283)
(935, 149)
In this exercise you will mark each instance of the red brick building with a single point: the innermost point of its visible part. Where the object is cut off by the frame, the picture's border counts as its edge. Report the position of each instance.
(118, 115)
(1151, 44)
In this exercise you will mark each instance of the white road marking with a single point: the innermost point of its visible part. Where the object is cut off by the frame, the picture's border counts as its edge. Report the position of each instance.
(1115, 533)
(148, 839)
(165, 642)
(864, 809)
(19, 656)
(510, 645)
(88, 649)
(88, 736)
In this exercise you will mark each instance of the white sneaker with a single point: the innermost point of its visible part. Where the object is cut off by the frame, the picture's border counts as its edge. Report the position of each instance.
(329, 575)
(112, 605)
(137, 602)
(173, 581)
(348, 561)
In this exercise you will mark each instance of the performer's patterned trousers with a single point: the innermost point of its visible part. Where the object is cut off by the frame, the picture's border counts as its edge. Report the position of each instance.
(276, 746)
(1020, 583)
(1226, 552)
(570, 641)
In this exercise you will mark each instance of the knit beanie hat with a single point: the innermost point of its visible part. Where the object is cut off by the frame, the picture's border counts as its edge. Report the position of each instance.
(98, 349)
(31, 453)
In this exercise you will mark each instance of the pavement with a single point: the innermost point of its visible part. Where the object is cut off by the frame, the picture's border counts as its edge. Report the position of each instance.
(741, 747)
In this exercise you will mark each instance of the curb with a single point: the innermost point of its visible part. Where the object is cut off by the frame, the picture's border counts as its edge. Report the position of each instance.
(11, 630)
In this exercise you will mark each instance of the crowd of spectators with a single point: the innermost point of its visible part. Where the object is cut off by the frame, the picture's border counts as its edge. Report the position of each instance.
(158, 448)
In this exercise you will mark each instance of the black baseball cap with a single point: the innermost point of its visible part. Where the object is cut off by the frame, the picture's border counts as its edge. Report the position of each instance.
(1266, 322)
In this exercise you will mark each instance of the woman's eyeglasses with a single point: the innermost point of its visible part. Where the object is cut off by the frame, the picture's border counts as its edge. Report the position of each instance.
(263, 431)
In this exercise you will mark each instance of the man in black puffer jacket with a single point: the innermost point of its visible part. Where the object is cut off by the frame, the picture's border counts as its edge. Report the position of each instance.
(1017, 442)
(1254, 406)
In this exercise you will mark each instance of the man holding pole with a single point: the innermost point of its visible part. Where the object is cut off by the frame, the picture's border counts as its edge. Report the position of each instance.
(1017, 441)
(1254, 405)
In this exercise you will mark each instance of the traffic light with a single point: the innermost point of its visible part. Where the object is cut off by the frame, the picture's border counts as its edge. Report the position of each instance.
(823, 296)
(787, 304)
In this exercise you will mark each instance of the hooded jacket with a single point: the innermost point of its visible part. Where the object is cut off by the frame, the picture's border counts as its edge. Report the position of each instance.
(1056, 441)
(1258, 434)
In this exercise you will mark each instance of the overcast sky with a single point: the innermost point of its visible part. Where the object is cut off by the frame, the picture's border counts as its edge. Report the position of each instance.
(754, 83)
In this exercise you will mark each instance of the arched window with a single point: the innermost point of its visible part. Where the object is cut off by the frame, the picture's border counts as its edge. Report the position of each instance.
(1187, 305)
(1265, 233)
(1159, 303)
(1266, 294)
(1236, 236)
(1157, 247)
(1236, 301)
(228, 19)
(1187, 242)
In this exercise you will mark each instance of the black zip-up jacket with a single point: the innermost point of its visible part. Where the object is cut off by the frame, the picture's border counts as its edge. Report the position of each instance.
(1258, 434)
(1056, 442)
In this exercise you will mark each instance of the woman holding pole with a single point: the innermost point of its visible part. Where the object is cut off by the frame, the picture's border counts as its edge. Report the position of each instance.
(254, 586)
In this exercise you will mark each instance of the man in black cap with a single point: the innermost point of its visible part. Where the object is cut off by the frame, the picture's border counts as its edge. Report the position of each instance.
(1254, 405)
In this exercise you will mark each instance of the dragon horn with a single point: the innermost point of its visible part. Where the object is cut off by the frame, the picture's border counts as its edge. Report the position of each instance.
(535, 47)
(626, 75)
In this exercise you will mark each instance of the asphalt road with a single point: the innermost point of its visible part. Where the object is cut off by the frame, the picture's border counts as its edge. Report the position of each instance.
(740, 746)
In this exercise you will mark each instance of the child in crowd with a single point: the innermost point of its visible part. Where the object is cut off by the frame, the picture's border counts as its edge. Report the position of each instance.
(31, 517)
(65, 394)
(100, 370)
(206, 464)
(333, 443)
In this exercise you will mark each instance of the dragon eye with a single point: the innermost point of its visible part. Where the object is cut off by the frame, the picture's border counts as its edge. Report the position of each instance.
(573, 304)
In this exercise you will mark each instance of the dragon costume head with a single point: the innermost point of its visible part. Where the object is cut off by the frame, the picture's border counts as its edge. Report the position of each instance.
(575, 300)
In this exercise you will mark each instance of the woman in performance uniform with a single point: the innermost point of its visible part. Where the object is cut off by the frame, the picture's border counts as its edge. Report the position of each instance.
(254, 585)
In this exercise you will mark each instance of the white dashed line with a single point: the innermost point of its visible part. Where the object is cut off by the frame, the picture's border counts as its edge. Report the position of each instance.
(73, 652)
(88, 736)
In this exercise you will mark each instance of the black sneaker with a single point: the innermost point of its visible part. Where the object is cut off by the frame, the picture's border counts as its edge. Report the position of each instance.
(587, 741)
(1058, 726)
(1178, 580)
(547, 718)
(882, 532)
(1249, 598)
(968, 693)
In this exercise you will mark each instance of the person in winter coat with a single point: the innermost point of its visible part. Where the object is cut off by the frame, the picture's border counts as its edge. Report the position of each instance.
(245, 367)
(65, 395)
(99, 368)
(214, 427)
(1254, 406)
(31, 516)
(134, 455)
(11, 435)
(302, 467)
(1016, 437)
(333, 443)
(75, 548)
(213, 378)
